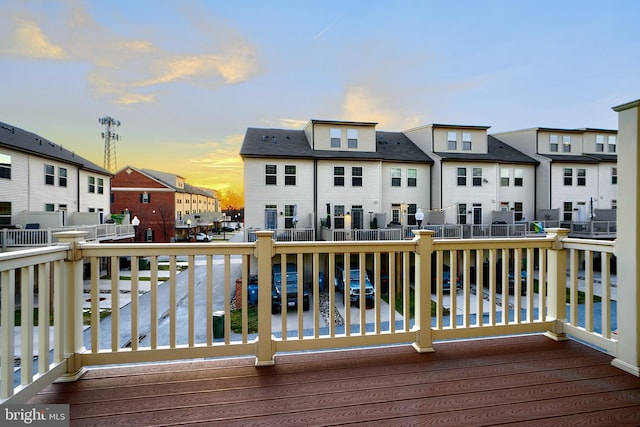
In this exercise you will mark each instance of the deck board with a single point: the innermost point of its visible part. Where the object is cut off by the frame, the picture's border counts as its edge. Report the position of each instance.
(523, 380)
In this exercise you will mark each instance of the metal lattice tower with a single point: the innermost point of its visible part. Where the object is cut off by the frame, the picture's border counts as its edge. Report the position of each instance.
(110, 138)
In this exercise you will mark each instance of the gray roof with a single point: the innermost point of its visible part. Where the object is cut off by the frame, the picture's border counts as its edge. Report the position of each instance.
(570, 158)
(498, 152)
(604, 157)
(28, 142)
(287, 143)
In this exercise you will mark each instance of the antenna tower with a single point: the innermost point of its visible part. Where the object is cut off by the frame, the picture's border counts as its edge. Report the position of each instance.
(110, 138)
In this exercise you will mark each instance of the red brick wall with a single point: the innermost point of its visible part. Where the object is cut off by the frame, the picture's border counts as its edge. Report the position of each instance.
(158, 215)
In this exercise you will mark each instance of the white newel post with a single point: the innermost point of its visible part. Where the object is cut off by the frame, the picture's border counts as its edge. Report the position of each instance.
(628, 238)
(72, 283)
(557, 284)
(424, 247)
(264, 343)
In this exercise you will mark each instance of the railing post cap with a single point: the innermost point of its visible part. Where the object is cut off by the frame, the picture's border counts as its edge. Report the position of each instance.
(264, 233)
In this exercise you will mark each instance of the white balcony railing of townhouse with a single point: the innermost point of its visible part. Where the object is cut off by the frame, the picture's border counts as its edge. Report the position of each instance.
(175, 319)
(45, 237)
(284, 235)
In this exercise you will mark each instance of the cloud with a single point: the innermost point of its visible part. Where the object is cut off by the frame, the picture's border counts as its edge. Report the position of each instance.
(362, 103)
(125, 69)
(28, 40)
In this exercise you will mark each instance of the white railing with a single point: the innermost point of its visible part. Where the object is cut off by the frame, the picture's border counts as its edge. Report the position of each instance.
(285, 235)
(179, 301)
(44, 237)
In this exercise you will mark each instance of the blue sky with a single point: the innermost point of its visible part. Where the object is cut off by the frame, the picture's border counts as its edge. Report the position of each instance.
(186, 78)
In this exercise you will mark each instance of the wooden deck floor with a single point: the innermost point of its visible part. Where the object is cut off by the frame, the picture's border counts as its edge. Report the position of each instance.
(520, 381)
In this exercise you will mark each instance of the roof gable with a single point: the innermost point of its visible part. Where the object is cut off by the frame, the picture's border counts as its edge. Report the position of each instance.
(28, 142)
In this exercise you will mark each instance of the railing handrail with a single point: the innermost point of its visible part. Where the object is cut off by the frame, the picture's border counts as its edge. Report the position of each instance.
(543, 258)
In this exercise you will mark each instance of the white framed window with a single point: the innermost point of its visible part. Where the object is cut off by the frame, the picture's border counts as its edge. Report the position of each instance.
(581, 177)
(462, 176)
(466, 141)
(396, 177)
(553, 143)
(338, 214)
(356, 176)
(338, 176)
(412, 177)
(49, 174)
(504, 206)
(518, 177)
(477, 177)
(270, 174)
(289, 175)
(49, 207)
(566, 143)
(92, 184)
(5, 213)
(62, 177)
(599, 143)
(336, 135)
(504, 177)
(289, 216)
(614, 204)
(5, 166)
(517, 211)
(352, 138)
(452, 140)
(611, 143)
(100, 186)
(568, 176)
(614, 175)
(145, 198)
(567, 211)
(462, 213)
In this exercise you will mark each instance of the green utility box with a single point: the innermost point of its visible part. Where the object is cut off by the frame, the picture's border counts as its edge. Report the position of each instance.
(218, 324)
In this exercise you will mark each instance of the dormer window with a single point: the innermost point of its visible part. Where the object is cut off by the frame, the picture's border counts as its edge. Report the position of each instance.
(599, 143)
(466, 141)
(612, 143)
(553, 143)
(452, 140)
(335, 135)
(352, 138)
(566, 143)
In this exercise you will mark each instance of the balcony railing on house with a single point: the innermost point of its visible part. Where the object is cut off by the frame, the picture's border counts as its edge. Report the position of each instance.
(14, 238)
(188, 314)
(285, 235)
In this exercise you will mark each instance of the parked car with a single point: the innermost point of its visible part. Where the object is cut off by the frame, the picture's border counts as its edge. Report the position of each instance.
(511, 290)
(201, 237)
(290, 288)
(446, 280)
(384, 280)
(354, 285)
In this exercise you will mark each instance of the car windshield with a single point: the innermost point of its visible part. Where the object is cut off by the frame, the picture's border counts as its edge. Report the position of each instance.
(355, 275)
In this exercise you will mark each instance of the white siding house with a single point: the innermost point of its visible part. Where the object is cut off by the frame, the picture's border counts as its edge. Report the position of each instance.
(476, 175)
(577, 172)
(42, 182)
(345, 171)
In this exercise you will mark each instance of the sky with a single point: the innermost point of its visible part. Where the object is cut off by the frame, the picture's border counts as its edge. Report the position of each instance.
(187, 78)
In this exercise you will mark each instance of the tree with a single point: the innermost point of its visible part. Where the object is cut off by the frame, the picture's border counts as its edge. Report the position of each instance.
(230, 201)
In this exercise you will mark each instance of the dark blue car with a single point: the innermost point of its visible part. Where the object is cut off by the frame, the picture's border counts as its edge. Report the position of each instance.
(290, 290)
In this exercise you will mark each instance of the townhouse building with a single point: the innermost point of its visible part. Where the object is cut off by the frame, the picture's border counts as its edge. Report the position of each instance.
(576, 179)
(348, 175)
(476, 178)
(167, 207)
(44, 185)
(333, 175)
